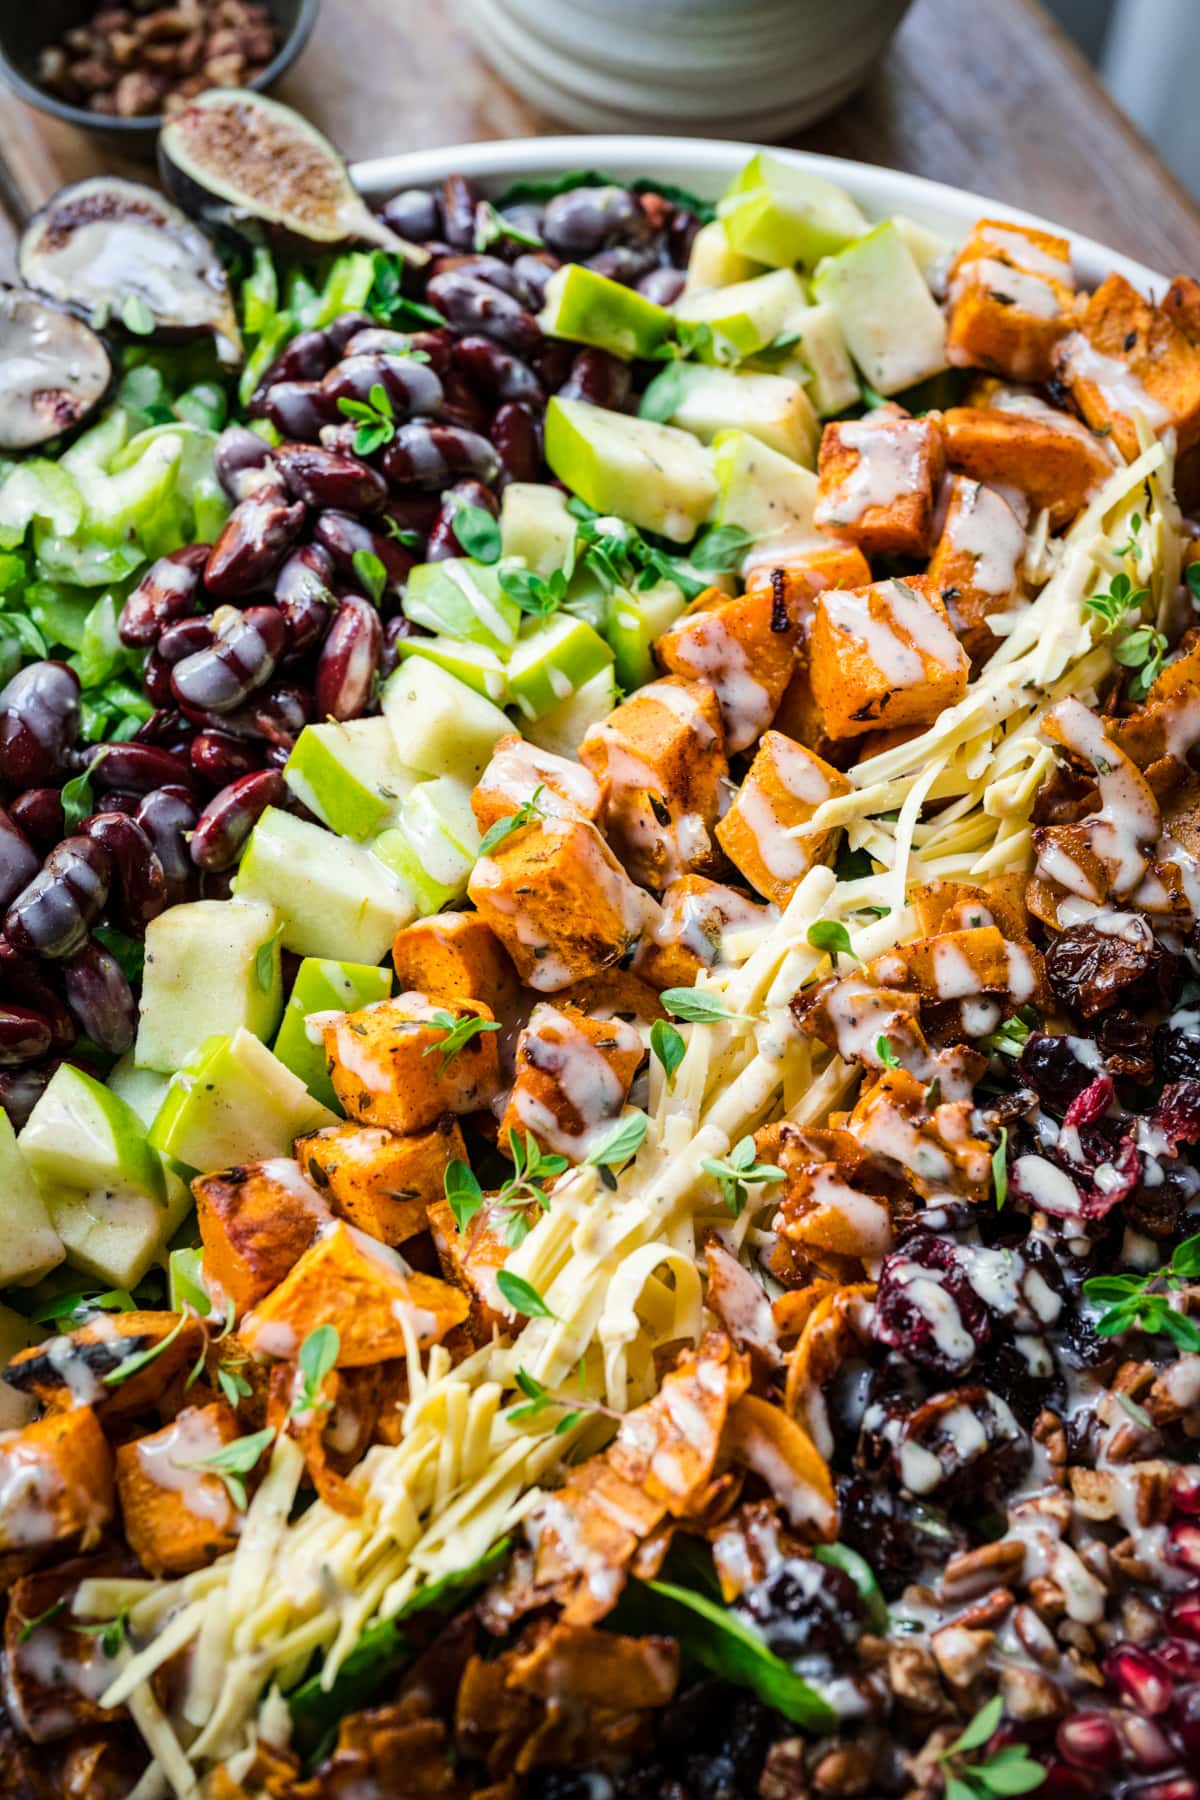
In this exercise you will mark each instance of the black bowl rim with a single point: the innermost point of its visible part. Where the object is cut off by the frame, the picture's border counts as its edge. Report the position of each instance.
(284, 57)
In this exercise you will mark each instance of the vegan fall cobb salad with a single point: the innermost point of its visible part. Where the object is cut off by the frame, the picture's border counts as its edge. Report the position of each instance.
(600, 1018)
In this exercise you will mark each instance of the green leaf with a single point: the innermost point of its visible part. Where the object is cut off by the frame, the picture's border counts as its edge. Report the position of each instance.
(695, 1006)
(534, 594)
(719, 1641)
(129, 953)
(458, 1033)
(720, 549)
(668, 1046)
(112, 1633)
(982, 1727)
(1181, 1330)
(1185, 1259)
(1005, 1774)
(463, 1192)
(621, 1142)
(1000, 1168)
(491, 227)
(318, 1356)
(885, 1053)
(960, 1790)
(232, 1384)
(233, 1461)
(371, 572)
(76, 799)
(67, 1306)
(43, 1618)
(130, 1365)
(1192, 576)
(137, 317)
(522, 1296)
(831, 936)
(1112, 1287)
(264, 963)
(661, 399)
(478, 533)
(526, 813)
(841, 1556)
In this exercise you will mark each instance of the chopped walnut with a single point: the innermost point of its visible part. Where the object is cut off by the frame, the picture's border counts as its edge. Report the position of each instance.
(960, 1654)
(1029, 1694)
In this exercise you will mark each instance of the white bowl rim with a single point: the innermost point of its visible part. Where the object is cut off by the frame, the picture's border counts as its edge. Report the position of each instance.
(706, 164)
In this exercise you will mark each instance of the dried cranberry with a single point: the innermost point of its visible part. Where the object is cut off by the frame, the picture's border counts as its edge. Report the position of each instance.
(897, 1536)
(1177, 1047)
(1127, 1045)
(1054, 1070)
(926, 1307)
(1090, 970)
(1177, 1114)
(803, 1606)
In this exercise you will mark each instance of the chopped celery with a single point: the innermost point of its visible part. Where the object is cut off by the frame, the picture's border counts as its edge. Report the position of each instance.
(276, 332)
(58, 612)
(203, 404)
(347, 285)
(260, 294)
(41, 491)
(100, 650)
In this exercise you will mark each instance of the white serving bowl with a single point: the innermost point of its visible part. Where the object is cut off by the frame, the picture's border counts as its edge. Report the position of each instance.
(706, 166)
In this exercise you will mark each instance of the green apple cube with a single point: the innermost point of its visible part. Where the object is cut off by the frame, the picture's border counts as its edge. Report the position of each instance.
(333, 898)
(141, 1089)
(349, 774)
(536, 527)
(434, 843)
(237, 1103)
(931, 251)
(440, 726)
(637, 618)
(472, 664)
(657, 477)
(589, 308)
(891, 322)
(16, 1333)
(706, 401)
(81, 1135)
(211, 965)
(747, 316)
(714, 262)
(114, 1235)
(780, 214)
(818, 358)
(552, 660)
(564, 727)
(324, 986)
(29, 1245)
(764, 493)
(463, 599)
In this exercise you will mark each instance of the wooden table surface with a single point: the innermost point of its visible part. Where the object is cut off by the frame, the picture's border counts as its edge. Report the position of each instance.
(989, 97)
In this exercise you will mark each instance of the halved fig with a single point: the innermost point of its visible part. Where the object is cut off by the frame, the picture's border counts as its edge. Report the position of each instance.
(116, 248)
(54, 370)
(235, 158)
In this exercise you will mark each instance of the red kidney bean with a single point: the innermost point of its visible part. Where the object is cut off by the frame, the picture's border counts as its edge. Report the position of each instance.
(26, 982)
(156, 679)
(184, 639)
(533, 270)
(553, 363)
(382, 340)
(21, 1089)
(497, 373)
(256, 536)
(344, 327)
(462, 406)
(471, 305)
(136, 768)
(482, 268)
(305, 601)
(219, 758)
(300, 409)
(460, 197)
(430, 456)
(663, 286)
(414, 214)
(39, 723)
(24, 1035)
(100, 997)
(600, 378)
(19, 861)
(411, 386)
(168, 728)
(230, 816)
(38, 813)
(167, 817)
(517, 437)
(238, 457)
(413, 512)
(279, 714)
(624, 264)
(54, 913)
(587, 219)
(348, 662)
(326, 478)
(343, 537)
(241, 659)
(170, 589)
(442, 539)
(395, 631)
(304, 358)
(138, 887)
(681, 235)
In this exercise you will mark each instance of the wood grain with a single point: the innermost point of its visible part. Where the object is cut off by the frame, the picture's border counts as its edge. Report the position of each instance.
(989, 97)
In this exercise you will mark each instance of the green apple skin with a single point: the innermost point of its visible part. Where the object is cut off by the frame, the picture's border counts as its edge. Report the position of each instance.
(434, 843)
(324, 986)
(141, 1089)
(564, 727)
(471, 664)
(658, 478)
(779, 214)
(765, 494)
(747, 316)
(82, 1135)
(463, 599)
(553, 659)
(891, 322)
(349, 775)
(772, 408)
(819, 360)
(588, 308)
(211, 966)
(331, 895)
(29, 1245)
(16, 1333)
(440, 726)
(535, 526)
(637, 618)
(236, 1104)
(714, 262)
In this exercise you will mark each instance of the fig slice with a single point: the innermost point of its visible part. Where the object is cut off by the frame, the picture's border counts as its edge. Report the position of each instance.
(54, 370)
(117, 249)
(236, 159)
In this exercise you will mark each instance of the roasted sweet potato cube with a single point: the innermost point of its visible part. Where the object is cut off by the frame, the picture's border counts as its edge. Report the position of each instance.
(55, 1669)
(560, 903)
(660, 756)
(783, 788)
(932, 1147)
(573, 1075)
(599, 1668)
(743, 647)
(62, 1371)
(519, 771)
(1020, 442)
(799, 716)
(618, 994)
(1127, 356)
(471, 1260)
(255, 1221)
(56, 1482)
(878, 481)
(884, 655)
(977, 562)
(388, 1067)
(1011, 298)
(832, 1199)
(963, 905)
(456, 953)
(696, 913)
(378, 1305)
(804, 575)
(961, 965)
(381, 1180)
(1181, 303)
(177, 1515)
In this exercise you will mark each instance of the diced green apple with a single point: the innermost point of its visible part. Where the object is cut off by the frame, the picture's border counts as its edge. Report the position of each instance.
(434, 843)
(440, 726)
(16, 1333)
(349, 774)
(746, 316)
(891, 322)
(564, 727)
(471, 664)
(714, 262)
(706, 401)
(536, 526)
(553, 659)
(931, 251)
(589, 308)
(115, 1235)
(463, 599)
(324, 986)
(659, 478)
(819, 358)
(764, 493)
(780, 214)
(637, 618)
(237, 1103)
(82, 1135)
(211, 966)
(29, 1245)
(332, 897)
(141, 1089)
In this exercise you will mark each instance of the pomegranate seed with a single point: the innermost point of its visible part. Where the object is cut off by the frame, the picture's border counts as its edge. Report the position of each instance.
(1185, 1615)
(1062, 1783)
(1185, 1491)
(1146, 1744)
(1088, 1740)
(1175, 1787)
(1140, 1677)
(1183, 1545)
(1181, 1657)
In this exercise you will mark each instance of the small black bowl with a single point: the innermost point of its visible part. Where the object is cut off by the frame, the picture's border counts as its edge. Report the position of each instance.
(30, 28)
